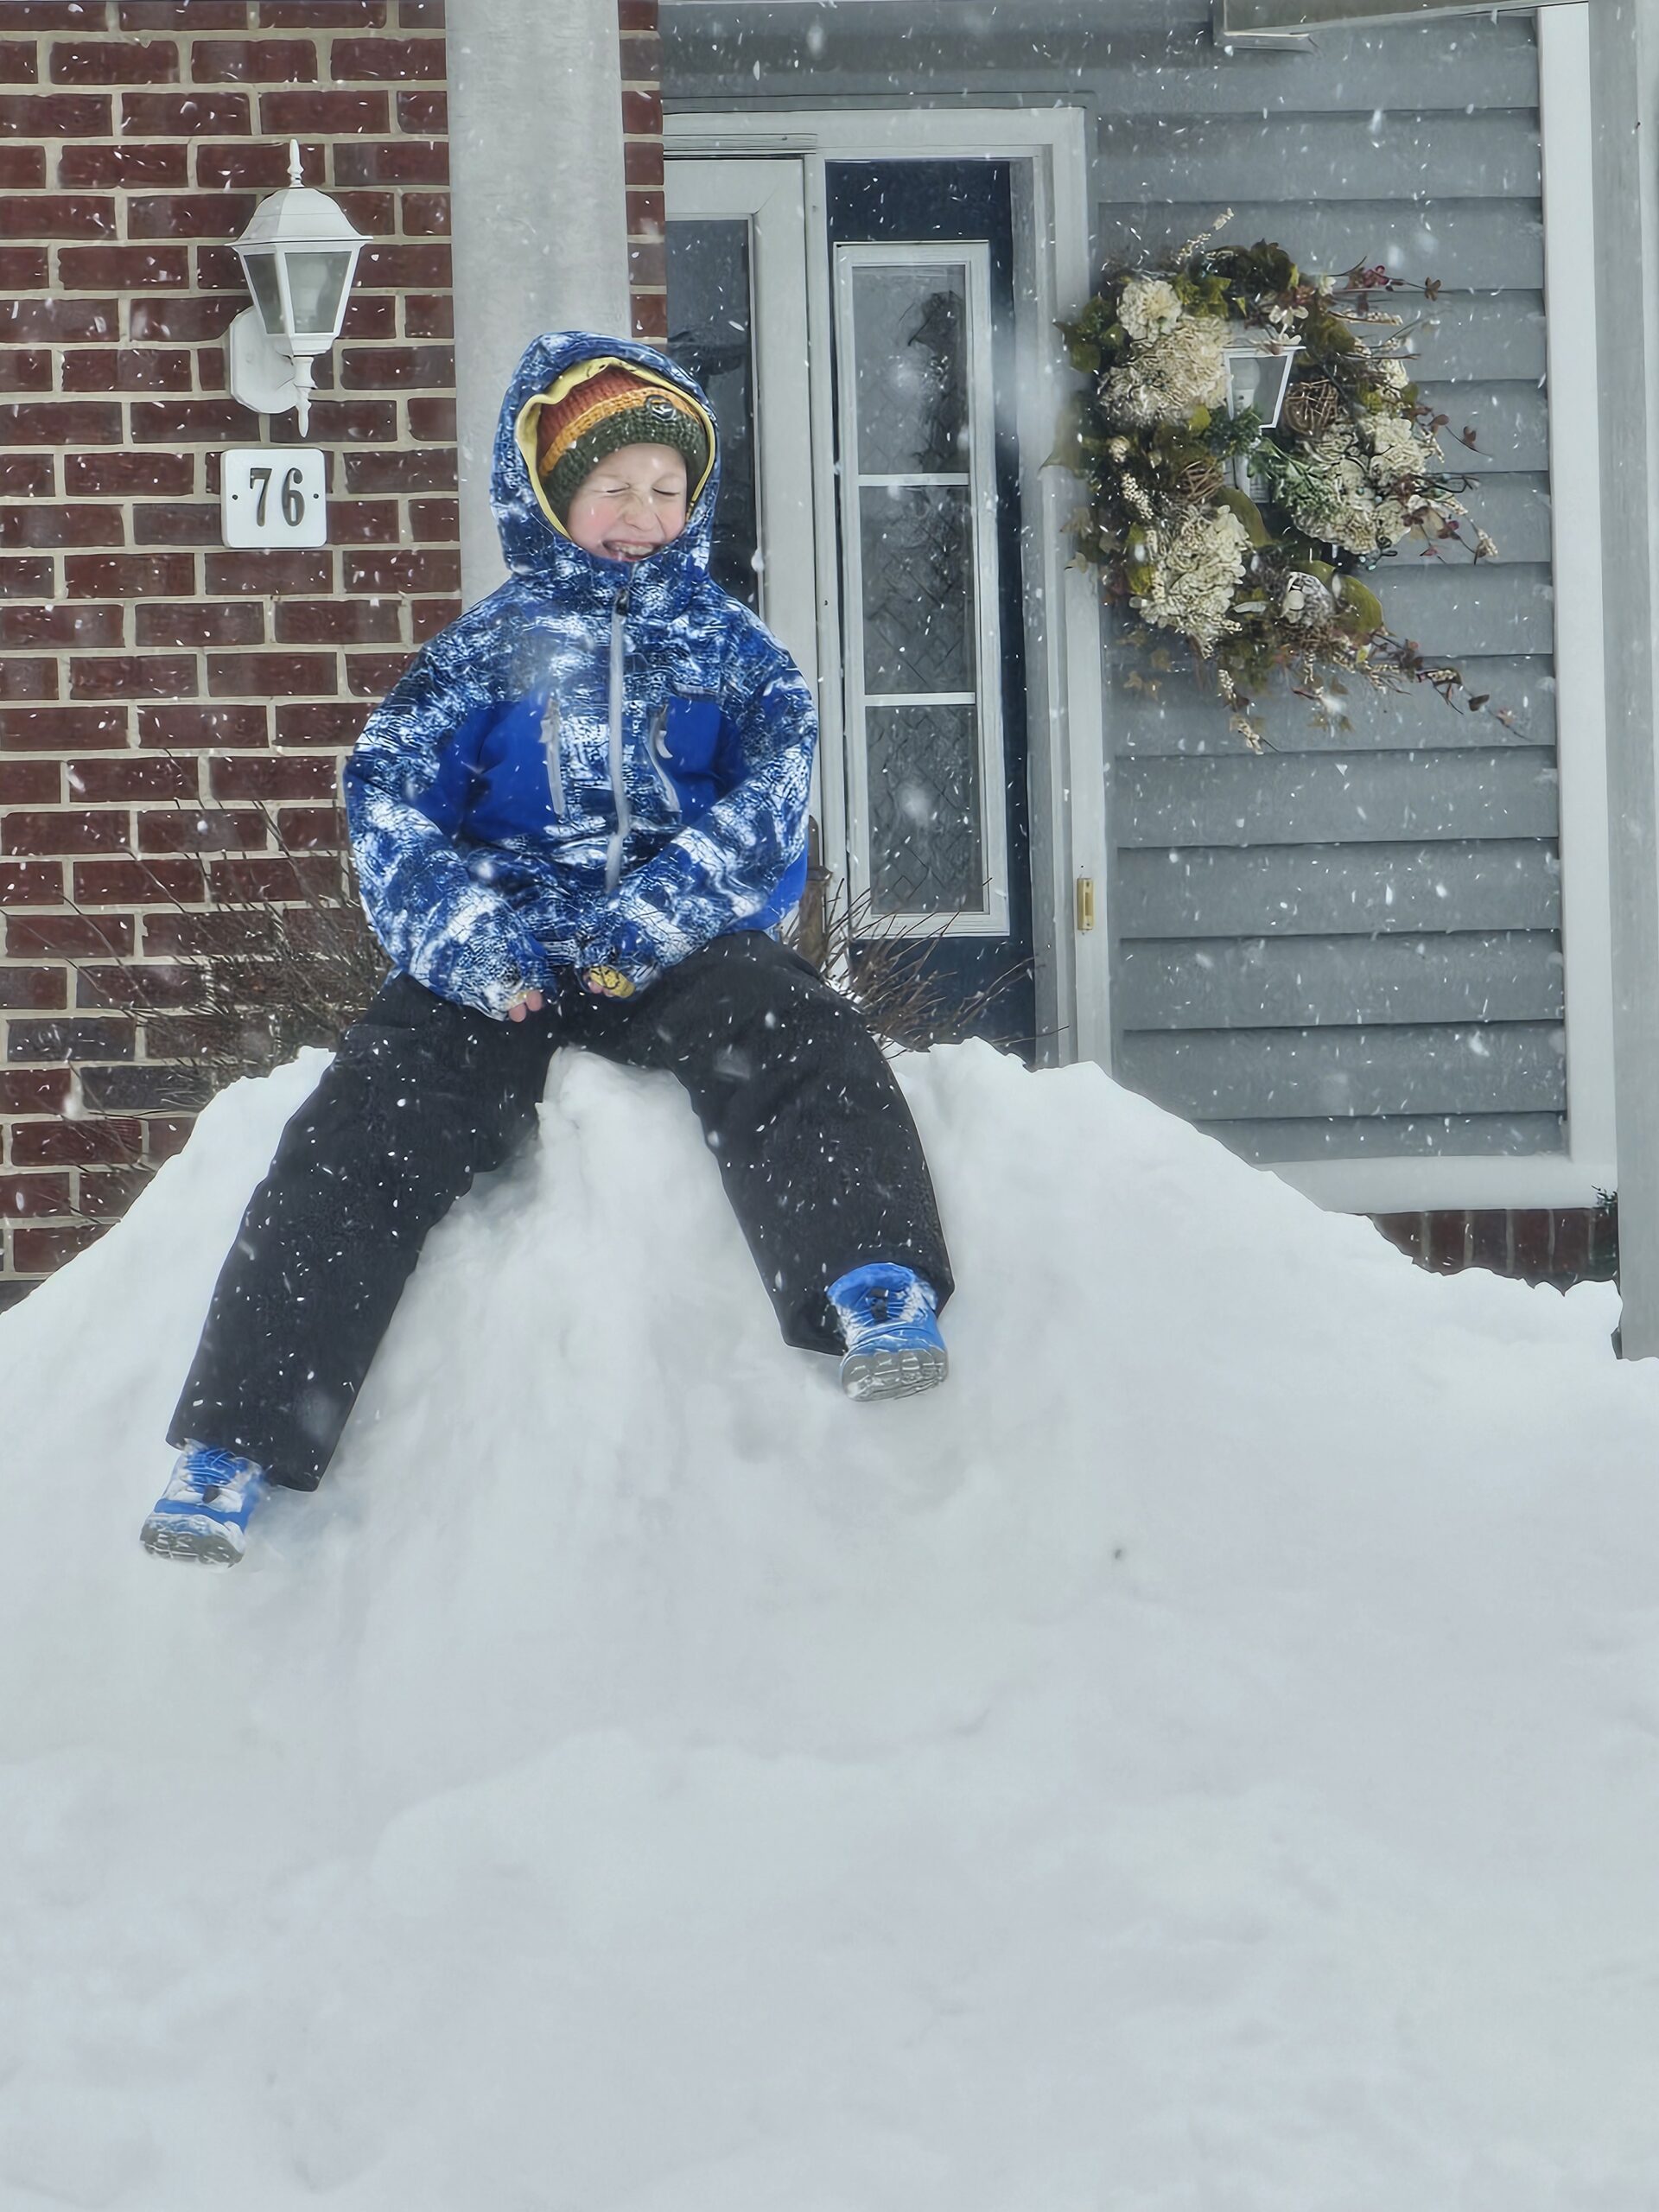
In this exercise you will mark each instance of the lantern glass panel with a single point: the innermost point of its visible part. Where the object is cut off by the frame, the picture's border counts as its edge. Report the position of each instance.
(316, 282)
(267, 295)
(1257, 380)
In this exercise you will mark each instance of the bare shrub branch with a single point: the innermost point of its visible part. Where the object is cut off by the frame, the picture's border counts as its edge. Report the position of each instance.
(887, 964)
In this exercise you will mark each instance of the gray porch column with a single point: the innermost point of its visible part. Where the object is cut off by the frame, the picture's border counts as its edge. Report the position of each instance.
(1624, 66)
(540, 211)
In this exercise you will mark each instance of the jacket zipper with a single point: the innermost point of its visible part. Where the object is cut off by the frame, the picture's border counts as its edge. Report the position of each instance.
(619, 789)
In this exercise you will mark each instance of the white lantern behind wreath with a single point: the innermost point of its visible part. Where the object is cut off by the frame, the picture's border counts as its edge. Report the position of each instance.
(299, 254)
(1258, 376)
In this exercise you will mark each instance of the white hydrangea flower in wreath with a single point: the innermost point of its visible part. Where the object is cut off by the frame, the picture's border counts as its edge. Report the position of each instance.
(1398, 449)
(1165, 379)
(1191, 574)
(1149, 310)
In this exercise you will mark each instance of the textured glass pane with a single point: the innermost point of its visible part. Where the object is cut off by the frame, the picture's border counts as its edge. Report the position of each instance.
(710, 333)
(909, 358)
(927, 841)
(267, 293)
(919, 588)
(316, 282)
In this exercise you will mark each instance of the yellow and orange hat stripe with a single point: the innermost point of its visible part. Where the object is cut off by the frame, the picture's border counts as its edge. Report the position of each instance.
(527, 425)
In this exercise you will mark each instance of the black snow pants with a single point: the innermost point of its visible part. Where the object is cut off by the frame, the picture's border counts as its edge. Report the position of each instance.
(820, 1157)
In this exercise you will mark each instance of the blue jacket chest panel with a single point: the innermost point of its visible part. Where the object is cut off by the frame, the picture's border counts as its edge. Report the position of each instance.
(692, 746)
(539, 767)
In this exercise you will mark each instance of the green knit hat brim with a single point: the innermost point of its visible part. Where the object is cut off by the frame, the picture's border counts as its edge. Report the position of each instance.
(653, 422)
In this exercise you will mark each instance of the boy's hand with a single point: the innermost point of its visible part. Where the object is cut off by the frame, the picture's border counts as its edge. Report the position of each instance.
(526, 1002)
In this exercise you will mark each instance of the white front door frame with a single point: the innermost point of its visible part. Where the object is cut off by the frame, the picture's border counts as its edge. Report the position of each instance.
(1048, 150)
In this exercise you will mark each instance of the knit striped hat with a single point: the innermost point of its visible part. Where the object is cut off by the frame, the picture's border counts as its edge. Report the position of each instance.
(608, 411)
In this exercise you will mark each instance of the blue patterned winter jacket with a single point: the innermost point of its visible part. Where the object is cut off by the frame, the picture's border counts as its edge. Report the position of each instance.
(603, 764)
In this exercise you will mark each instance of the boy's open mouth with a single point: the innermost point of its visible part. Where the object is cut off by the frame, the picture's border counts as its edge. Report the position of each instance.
(628, 549)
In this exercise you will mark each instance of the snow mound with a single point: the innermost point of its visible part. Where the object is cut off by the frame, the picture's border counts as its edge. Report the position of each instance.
(1206, 1759)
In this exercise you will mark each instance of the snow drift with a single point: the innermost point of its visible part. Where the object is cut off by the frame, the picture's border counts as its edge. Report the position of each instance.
(1206, 1759)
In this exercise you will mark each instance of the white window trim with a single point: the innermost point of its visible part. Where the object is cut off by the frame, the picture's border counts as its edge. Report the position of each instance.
(1290, 23)
(1065, 702)
(988, 914)
(767, 196)
(1589, 1166)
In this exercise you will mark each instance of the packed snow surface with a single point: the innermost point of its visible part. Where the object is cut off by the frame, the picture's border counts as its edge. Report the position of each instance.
(1205, 1759)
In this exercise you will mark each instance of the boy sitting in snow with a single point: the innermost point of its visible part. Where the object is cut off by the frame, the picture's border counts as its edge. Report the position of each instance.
(578, 819)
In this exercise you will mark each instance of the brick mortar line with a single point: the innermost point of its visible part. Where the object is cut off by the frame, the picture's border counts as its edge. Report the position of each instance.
(396, 134)
(324, 37)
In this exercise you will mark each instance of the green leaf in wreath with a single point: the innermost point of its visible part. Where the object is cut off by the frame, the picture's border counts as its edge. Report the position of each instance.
(1069, 442)
(1248, 513)
(1362, 610)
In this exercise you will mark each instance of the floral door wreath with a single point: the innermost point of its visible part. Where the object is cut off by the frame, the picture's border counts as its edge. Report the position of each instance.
(1257, 584)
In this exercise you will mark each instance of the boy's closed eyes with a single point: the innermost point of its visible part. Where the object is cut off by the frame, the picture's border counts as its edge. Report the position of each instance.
(631, 506)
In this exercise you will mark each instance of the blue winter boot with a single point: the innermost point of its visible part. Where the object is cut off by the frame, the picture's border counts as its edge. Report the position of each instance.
(887, 1325)
(202, 1515)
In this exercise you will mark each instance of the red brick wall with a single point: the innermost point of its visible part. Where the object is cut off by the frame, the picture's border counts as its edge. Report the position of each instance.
(1563, 1246)
(153, 684)
(642, 151)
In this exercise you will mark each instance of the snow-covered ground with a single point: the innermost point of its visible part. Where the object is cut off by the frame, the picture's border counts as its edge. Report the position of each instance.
(1206, 1759)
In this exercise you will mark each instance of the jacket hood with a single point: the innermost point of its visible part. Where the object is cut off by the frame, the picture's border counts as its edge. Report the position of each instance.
(534, 544)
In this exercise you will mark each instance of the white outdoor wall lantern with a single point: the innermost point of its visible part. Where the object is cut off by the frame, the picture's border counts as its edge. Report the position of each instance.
(299, 254)
(1258, 376)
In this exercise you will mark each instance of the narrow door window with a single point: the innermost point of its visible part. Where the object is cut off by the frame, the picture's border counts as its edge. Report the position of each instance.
(920, 520)
(711, 333)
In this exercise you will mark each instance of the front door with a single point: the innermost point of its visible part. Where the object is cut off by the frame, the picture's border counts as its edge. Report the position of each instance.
(860, 366)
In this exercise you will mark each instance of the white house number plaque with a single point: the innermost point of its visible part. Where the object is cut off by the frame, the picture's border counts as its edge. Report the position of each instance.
(273, 495)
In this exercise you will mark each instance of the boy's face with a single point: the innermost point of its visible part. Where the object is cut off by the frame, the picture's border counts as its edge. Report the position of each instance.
(634, 504)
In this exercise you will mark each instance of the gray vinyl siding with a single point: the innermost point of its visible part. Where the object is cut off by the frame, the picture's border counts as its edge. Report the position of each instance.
(1349, 946)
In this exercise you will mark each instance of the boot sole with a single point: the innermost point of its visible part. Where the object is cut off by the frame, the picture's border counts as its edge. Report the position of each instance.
(198, 1542)
(867, 1375)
